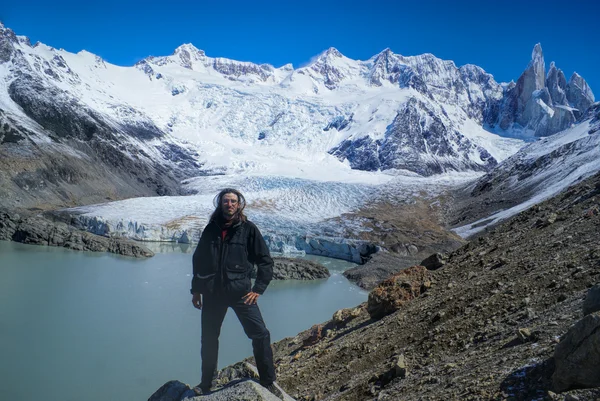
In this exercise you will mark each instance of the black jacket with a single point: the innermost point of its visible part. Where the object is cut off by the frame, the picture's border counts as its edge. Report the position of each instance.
(226, 266)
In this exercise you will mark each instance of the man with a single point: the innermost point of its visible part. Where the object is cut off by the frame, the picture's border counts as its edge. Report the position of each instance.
(229, 247)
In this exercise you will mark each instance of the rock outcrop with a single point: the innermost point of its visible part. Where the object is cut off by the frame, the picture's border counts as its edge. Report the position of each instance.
(381, 266)
(235, 382)
(246, 390)
(592, 300)
(297, 269)
(397, 290)
(38, 230)
(577, 356)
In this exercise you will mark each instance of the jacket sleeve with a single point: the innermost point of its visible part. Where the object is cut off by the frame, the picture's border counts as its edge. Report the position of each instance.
(196, 262)
(258, 254)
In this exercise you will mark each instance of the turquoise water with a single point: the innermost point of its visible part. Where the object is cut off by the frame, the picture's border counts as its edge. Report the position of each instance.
(94, 326)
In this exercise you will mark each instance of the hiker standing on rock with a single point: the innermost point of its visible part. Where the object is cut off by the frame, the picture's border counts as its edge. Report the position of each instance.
(229, 248)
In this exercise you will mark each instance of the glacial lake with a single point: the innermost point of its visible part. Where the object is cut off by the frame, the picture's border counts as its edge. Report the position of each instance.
(98, 327)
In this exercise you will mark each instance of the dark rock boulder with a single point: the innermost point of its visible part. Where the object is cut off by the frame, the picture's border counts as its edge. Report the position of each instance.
(592, 300)
(399, 289)
(577, 356)
(434, 261)
(381, 266)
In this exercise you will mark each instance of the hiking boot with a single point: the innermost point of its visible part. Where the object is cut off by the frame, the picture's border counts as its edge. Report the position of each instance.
(201, 389)
(274, 389)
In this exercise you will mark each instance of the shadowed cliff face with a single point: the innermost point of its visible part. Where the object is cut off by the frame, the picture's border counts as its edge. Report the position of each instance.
(67, 154)
(419, 141)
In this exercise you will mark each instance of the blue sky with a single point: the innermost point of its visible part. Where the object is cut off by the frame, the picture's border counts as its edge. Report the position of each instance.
(496, 35)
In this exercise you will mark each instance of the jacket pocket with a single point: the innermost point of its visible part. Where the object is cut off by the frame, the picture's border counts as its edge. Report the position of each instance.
(205, 283)
(238, 280)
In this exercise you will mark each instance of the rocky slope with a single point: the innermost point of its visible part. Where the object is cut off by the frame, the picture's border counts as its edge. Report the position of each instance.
(537, 172)
(58, 150)
(486, 328)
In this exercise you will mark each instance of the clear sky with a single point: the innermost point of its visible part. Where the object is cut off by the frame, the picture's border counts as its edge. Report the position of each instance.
(496, 35)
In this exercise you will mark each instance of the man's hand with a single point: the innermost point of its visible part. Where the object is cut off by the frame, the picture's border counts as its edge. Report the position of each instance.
(197, 300)
(251, 298)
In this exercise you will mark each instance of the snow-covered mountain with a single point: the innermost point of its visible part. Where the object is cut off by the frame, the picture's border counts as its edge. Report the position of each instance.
(537, 172)
(390, 112)
(307, 144)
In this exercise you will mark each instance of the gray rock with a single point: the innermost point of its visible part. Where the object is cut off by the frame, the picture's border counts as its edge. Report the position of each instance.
(7, 225)
(543, 106)
(381, 266)
(579, 94)
(244, 390)
(434, 261)
(557, 85)
(592, 300)
(297, 269)
(577, 356)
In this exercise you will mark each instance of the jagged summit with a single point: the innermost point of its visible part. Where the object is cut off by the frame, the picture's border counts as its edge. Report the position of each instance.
(332, 52)
(541, 104)
(190, 48)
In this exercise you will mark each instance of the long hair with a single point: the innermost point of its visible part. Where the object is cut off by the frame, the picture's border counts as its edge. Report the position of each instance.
(218, 213)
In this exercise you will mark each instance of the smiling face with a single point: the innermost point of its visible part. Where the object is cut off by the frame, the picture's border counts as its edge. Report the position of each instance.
(229, 205)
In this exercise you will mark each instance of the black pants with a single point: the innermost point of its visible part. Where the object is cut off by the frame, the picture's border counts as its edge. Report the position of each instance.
(214, 308)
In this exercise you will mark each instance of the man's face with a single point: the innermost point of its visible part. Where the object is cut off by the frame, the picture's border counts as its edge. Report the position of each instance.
(229, 205)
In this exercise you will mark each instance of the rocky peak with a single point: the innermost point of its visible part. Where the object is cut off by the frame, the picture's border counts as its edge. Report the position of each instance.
(187, 54)
(7, 41)
(331, 66)
(538, 67)
(579, 94)
(330, 53)
(386, 66)
(556, 84)
(191, 49)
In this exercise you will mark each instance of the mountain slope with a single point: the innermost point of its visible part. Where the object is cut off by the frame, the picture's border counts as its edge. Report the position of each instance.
(191, 114)
(535, 173)
(486, 329)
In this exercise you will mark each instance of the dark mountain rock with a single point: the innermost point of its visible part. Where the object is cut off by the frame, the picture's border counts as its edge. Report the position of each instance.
(417, 140)
(362, 153)
(592, 300)
(7, 40)
(577, 356)
(38, 230)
